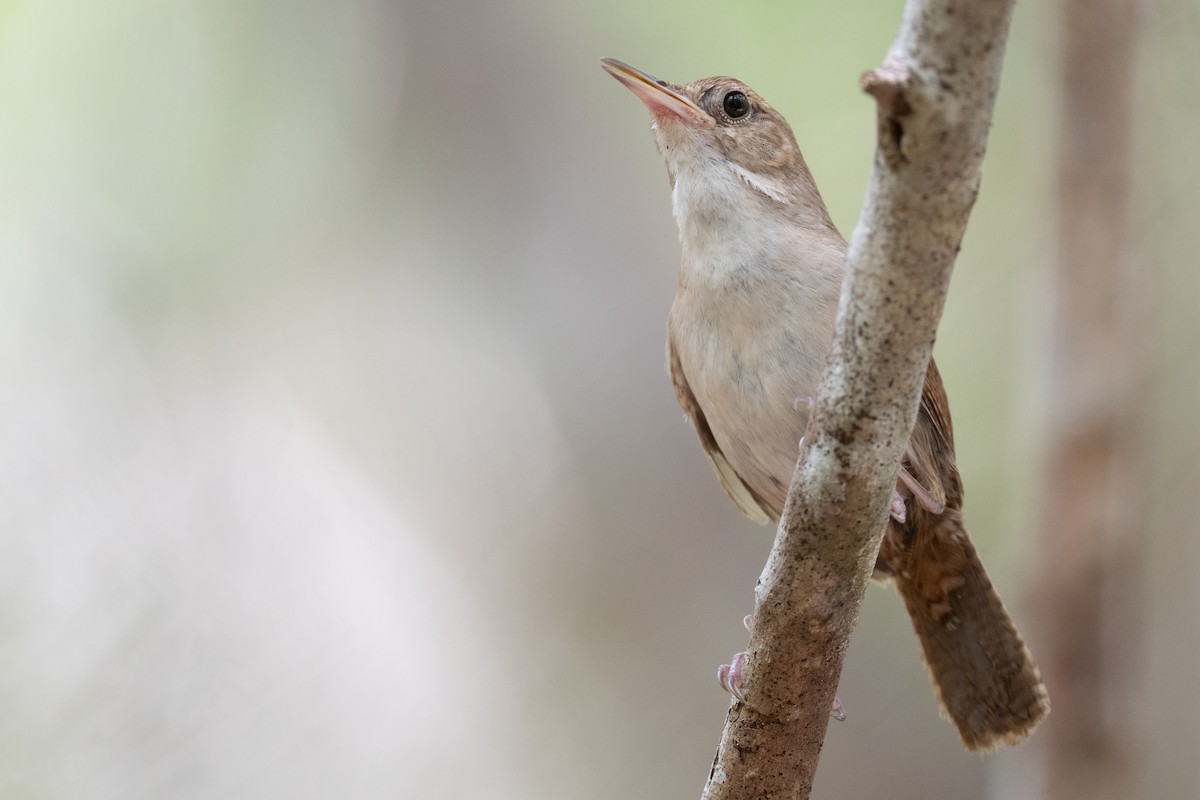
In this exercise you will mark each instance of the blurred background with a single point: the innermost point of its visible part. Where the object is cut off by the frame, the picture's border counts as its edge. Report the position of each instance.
(338, 456)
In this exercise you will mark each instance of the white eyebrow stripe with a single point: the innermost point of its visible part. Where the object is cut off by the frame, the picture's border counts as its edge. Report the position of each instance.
(764, 185)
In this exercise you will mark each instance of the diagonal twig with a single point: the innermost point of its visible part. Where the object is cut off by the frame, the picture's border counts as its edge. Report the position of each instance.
(935, 93)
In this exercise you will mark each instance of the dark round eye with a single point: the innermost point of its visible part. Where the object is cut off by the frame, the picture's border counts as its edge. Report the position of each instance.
(736, 105)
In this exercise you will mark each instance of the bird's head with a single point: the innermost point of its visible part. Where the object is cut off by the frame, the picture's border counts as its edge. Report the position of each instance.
(719, 125)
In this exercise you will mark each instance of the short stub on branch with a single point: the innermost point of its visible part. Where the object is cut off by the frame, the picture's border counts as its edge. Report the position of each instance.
(889, 84)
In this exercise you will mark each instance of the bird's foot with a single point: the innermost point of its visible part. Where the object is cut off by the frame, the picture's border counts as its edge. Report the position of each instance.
(899, 513)
(807, 403)
(837, 712)
(730, 677)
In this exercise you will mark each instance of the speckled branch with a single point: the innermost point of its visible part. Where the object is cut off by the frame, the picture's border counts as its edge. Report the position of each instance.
(935, 93)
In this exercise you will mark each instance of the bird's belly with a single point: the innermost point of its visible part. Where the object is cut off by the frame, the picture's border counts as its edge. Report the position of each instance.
(762, 445)
(755, 401)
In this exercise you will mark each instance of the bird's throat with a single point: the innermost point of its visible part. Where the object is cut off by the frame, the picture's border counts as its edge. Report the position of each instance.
(729, 229)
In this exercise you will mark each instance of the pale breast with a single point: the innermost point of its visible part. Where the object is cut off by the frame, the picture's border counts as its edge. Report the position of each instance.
(753, 318)
(751, 367)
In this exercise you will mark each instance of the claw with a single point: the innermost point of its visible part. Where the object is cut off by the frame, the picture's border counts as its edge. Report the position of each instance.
(807, 402)
(837, 712)
(899, 512)
(730, 675)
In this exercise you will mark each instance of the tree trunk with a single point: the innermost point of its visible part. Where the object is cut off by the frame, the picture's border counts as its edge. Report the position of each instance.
(1087, 596)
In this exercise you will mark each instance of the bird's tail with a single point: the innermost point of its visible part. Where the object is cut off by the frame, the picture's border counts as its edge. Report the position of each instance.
(982, 672)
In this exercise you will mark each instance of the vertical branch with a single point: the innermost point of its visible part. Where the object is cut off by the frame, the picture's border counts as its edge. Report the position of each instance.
(1087, 596)
(935, 93)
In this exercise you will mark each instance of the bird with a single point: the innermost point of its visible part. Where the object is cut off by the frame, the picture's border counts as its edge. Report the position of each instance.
(748, 333)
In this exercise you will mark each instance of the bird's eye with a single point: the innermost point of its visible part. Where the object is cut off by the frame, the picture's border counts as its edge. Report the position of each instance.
(736, 105)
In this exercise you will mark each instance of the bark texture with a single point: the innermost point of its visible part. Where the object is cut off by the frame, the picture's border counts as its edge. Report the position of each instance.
(935, 93)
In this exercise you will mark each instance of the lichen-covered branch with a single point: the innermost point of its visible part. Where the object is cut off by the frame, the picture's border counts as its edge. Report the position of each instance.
(935, 92)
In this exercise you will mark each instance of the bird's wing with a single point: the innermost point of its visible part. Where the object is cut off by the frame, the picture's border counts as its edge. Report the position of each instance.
(930, 455)
(750, 503)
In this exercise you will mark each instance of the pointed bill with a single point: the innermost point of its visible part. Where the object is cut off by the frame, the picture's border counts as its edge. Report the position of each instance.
(659, 96)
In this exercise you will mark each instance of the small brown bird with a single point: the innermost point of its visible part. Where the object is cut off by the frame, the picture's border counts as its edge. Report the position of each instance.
(747, 339)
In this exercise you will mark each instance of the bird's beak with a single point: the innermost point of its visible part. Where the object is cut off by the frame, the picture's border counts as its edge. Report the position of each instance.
(658, 95)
